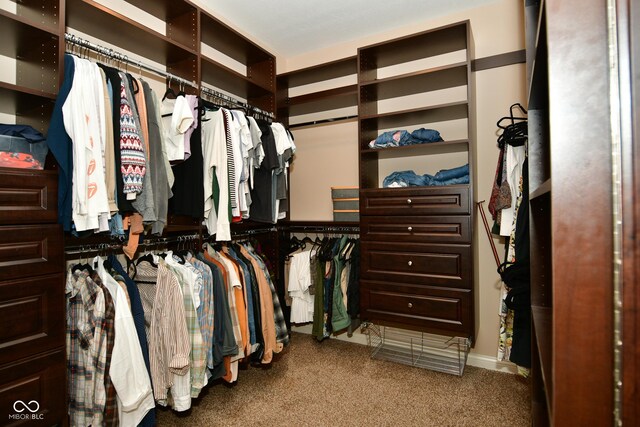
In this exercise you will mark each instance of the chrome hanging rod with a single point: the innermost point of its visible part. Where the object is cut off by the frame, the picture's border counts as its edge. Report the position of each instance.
(124, 58)
(216, 94)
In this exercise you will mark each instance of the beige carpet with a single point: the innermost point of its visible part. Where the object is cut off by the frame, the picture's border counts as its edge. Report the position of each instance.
(335, 383)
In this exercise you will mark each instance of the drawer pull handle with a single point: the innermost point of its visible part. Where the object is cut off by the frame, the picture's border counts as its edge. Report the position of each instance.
(410, 228)
(410, 305)
(410, 263)
(408, 201)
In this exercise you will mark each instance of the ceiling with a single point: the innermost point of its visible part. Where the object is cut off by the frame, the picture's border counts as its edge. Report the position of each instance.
(294, 27)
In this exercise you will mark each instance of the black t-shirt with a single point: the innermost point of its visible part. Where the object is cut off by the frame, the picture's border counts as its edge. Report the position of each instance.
(188, 187)
(262, 194)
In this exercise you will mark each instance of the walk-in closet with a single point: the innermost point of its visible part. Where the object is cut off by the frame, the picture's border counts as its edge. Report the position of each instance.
(234, 213)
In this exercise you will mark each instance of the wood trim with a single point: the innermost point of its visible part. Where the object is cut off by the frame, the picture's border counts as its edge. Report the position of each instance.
(500, 60)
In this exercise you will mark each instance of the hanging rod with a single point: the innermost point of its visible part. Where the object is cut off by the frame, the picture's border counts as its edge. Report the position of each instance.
(209, 91)
(97, 247)
(321, 229)
(124, 58)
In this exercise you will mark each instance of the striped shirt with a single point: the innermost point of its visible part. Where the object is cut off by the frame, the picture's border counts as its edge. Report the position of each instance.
(169, 343)
(198, 357)
(233, 203)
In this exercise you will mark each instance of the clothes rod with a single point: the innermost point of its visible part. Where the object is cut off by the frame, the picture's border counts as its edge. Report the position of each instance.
(241, 104)
(124, 58)
(322, 122)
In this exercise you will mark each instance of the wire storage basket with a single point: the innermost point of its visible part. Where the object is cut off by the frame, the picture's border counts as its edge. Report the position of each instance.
(419, 349)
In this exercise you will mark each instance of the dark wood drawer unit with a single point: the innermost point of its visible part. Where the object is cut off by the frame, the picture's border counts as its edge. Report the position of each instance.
(32, 318)
(28, 197)
(30, 250)
(429, 264)
(450, 200)
(424, 306)
(40, 379)
(418, 229)
(31, 315)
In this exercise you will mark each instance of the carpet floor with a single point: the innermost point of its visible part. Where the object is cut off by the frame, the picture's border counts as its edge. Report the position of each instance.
(335, 383)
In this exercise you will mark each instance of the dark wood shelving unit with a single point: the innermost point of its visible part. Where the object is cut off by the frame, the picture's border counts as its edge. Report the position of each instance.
(93, 18)
(446, 76)
(257, 85)
(30, 39)
(329, 99)
(318, 101)
(420, 115)
(417, 241)
(572, 244)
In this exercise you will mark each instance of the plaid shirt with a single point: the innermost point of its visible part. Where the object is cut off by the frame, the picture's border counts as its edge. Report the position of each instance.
(205, 311)
(111, 404)
(86, 341)
(198, 356)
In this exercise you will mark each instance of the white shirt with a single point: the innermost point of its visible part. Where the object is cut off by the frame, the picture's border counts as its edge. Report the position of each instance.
(215, 167)
(175, 126)
(128, 371)
(298, 286)
(82, 121)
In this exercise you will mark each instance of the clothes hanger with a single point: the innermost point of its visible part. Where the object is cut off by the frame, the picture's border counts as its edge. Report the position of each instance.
(169, 93)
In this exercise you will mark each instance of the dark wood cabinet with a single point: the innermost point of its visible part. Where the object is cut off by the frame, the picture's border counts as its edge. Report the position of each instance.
(32, 287)
(417, 251)
(582, 73)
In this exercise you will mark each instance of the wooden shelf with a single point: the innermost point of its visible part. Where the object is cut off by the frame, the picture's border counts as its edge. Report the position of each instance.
(319, 73)
(543, 322)
(44, 14)
(105, 24)
(543, 189)
(222, 77)
(331, 99)
(229, 42)
(439, 41)
(418, 149)
(437, 78)
(165, 10)
(416, 116)
(180, 17)
(19, 31)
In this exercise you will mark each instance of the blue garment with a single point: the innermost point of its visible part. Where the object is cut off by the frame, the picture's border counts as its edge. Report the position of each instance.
(137, 312)
(59, 144)
(23, 131)
(446, 174)
(399, 138)
(459, 175)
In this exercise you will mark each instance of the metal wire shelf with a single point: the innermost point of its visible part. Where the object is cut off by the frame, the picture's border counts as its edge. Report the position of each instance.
(429, 351)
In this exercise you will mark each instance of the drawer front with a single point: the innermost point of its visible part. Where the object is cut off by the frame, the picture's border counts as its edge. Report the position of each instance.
(429, 264)
(28, 197)
(441, 310)
(40, 379)
(31, 315)
(449, 200)
(30, 250)
(424, 229)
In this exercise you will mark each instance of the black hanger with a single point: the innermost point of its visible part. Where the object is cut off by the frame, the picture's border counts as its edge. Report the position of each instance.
(148, 258)
(169, 93)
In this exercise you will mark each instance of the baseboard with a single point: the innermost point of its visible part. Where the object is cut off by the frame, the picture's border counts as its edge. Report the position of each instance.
(474, 359)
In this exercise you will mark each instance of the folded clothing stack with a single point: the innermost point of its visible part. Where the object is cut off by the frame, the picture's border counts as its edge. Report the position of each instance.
(398, 138)
(459, 175)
